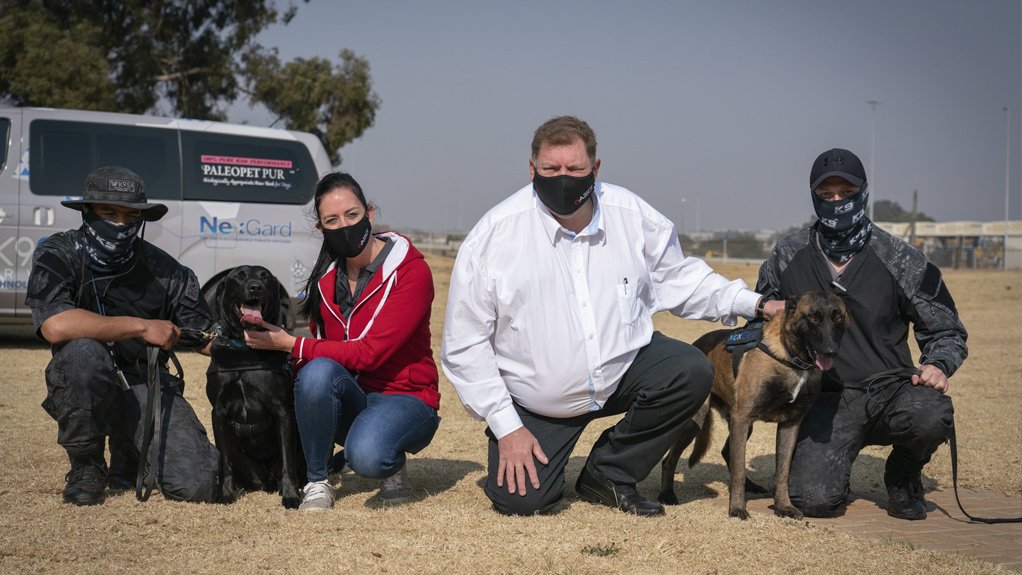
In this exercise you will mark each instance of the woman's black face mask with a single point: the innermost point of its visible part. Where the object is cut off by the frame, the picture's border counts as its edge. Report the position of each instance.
(563, 194)
(349, 241)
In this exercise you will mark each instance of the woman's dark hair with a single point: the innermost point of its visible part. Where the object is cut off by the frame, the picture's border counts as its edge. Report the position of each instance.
(329, 182)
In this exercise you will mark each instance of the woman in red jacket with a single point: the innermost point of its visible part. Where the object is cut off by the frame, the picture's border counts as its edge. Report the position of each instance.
(366, 379)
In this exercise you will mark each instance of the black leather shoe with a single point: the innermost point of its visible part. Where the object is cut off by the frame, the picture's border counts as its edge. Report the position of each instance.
(622, 496)
(86, 481)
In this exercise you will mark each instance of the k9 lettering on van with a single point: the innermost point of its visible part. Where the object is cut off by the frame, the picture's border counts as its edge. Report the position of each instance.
(20, 249)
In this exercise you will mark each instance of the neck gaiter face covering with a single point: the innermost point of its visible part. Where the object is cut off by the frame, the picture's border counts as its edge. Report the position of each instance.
(110, 246)
(843, 228)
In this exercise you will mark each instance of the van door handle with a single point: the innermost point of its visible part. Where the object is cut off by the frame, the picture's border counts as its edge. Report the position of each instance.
(43, 216)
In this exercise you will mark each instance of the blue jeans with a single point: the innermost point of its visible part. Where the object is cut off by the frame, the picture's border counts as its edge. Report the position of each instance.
(376, 429)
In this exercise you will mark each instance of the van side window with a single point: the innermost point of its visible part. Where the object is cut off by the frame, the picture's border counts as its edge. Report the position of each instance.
(231, 168)
(5, 141)
(61, 155)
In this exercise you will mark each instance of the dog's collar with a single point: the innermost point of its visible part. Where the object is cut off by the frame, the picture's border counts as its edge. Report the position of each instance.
(793, 361)
(233, 355)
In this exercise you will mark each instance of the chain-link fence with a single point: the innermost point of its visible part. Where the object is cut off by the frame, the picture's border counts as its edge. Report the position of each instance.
(947, 253)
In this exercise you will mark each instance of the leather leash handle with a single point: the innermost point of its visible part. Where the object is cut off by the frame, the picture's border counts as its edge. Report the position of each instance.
(145, 479)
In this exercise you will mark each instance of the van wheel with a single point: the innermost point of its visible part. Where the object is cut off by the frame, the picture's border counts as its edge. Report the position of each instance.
(287, 313)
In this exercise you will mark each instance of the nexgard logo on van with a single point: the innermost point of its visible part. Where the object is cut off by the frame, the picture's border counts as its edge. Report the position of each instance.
(251, 230)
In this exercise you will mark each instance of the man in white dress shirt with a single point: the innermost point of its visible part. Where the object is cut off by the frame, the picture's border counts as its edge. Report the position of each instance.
(549, 326)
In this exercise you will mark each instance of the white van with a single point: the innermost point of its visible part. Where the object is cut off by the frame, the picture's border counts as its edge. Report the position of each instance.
(236, 194)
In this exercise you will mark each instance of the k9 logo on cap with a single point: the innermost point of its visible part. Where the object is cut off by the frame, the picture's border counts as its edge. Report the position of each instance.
(116, 185)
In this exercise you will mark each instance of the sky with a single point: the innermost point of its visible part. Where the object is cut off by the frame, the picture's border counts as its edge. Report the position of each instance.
(713, 112)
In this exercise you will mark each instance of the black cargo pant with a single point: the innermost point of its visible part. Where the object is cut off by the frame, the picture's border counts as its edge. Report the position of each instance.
(662, 389)
(913, 418)
(84, 398)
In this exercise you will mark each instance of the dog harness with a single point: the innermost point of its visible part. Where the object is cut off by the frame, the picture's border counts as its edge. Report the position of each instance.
(742, 339)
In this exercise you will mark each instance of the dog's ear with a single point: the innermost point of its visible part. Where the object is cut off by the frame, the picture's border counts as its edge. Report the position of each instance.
(281, 295)
(790, 303)
(218, 300)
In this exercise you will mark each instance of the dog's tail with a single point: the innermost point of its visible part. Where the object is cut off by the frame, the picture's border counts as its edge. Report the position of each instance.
(702, 440)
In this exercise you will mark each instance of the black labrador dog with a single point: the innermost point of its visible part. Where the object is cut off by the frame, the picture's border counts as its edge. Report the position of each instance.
(252, 392)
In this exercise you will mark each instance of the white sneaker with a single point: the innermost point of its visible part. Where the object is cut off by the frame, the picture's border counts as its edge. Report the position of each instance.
(396, 488)
(319, 495)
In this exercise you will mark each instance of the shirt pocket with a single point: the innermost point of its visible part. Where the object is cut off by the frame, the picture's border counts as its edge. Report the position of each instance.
(629, 303)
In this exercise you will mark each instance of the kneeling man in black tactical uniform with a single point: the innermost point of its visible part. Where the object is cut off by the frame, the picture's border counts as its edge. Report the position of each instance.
(874, 394)
(99, 295)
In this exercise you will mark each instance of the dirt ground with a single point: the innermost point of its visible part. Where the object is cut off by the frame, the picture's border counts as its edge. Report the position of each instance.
(449, 527)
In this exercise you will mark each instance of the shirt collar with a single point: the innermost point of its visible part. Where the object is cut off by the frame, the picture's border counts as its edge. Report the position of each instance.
(553, 229)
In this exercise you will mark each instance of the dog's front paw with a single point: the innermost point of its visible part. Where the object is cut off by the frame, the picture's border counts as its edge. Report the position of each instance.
(226, 493)
(668, 497)
(291, 501)
(738, 512)
(226, 497)
(787, 511)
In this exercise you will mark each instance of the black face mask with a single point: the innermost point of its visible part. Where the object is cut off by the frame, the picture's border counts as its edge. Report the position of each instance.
(843, 227)
(839, 216)
(109, 245)
(349, 241)
(564, 194)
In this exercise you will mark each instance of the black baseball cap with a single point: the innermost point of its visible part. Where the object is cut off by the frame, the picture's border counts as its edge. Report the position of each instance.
(120, 187)
(837, 162)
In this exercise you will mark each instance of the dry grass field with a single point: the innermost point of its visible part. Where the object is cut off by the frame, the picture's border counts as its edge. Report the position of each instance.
(449, 527)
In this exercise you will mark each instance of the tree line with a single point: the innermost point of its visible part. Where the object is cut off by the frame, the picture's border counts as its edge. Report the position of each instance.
(194, 57)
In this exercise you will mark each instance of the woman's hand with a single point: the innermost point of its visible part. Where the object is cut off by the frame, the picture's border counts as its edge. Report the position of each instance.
(274, 338)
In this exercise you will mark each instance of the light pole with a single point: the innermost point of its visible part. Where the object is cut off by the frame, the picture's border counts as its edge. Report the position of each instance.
(872, 156)
(699, 228)
(1007, 177)
(681, 221)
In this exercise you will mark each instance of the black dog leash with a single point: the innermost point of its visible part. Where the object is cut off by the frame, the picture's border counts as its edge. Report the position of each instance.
(901, 376)
(145, 479)
(954, 478)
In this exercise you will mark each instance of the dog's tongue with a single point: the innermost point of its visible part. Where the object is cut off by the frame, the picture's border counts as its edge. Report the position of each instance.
(823, 362)
(251, 315)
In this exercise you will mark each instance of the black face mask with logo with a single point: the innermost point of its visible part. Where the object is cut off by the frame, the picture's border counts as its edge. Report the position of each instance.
(564, 194)
(109, 245)
(843, 228)
(349, 241)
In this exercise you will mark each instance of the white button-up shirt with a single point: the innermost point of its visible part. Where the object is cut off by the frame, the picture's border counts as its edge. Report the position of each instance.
(551, 320)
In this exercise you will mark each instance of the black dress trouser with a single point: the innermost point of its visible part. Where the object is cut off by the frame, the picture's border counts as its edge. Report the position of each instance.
(664, 387)
(84, 398)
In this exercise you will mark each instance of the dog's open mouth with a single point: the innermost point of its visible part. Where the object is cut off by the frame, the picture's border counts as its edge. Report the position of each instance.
(251, 313)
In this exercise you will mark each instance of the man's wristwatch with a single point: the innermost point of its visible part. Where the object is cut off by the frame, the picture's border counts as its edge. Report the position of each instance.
(759, 307)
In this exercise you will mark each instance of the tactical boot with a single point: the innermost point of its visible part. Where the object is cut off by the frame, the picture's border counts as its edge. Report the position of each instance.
(87, 479)
(904, 489)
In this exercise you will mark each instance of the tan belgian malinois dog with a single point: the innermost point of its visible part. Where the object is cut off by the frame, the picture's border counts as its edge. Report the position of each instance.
(778, 380)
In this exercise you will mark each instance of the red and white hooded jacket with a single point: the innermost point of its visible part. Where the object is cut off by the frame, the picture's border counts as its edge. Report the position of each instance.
(385, 341)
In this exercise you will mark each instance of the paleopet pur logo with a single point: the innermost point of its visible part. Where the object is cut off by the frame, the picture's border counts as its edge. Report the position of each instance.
(241, 171)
